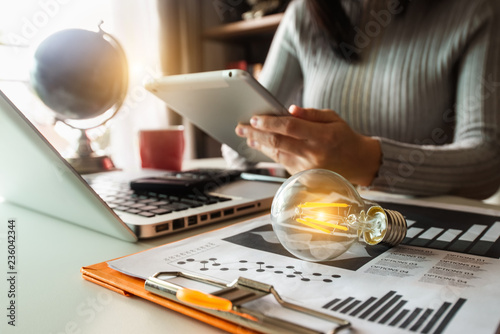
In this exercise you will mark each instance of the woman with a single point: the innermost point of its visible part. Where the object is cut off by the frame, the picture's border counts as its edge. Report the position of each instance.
(398, 96)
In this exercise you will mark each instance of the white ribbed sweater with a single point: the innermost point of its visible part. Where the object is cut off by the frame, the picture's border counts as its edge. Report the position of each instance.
(427, 85)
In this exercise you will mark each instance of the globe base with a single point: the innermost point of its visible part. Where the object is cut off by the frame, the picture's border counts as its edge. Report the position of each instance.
(92, 164)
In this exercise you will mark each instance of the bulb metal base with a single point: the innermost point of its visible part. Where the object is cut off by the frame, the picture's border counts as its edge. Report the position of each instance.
(396, 228)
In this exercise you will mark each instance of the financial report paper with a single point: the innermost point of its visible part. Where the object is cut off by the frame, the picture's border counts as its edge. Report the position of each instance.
(434, 283)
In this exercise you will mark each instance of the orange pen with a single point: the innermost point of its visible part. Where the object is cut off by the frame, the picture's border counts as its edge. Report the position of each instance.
(202, 299)
(205, 300)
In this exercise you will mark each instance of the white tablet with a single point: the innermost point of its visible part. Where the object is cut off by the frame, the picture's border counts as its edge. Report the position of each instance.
(217, 101)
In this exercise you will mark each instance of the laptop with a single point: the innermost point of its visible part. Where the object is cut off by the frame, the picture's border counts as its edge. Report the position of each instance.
(34, 175)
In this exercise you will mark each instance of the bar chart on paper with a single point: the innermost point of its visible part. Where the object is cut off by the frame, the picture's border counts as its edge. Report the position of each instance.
(463, 232)
(389, 310)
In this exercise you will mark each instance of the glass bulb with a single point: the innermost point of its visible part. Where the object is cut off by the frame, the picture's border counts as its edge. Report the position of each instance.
(317, 215)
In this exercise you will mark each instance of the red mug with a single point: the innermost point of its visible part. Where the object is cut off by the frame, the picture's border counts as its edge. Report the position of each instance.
(162, 148)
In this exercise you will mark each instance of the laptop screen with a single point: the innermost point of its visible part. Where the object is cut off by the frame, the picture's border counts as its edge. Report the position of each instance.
(34, 175)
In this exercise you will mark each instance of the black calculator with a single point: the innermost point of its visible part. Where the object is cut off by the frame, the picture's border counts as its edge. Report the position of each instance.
(203, 180)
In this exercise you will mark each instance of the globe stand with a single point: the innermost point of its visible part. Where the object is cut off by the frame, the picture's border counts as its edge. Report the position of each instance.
(86, 160)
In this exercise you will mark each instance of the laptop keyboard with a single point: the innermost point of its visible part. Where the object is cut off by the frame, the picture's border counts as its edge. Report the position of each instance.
(120, 197)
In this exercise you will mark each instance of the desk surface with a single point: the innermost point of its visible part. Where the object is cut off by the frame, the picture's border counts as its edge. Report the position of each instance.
(52, 297)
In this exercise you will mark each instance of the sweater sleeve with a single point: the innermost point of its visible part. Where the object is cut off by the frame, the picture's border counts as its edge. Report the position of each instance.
(470, 165)
(282, 74)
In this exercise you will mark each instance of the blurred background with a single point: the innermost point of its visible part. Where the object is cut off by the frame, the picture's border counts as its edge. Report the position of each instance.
(159, 37)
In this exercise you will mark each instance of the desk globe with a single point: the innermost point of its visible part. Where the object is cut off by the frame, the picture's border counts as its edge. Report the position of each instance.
(82, 76)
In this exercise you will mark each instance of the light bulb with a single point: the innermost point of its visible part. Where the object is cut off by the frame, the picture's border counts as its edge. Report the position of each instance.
(317, 215)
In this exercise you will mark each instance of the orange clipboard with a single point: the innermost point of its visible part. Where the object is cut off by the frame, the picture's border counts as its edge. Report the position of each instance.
(129, 286)
(237, 319)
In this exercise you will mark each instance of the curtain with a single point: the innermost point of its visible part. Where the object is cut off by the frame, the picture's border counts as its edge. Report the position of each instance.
(136, 25)
(181, 50)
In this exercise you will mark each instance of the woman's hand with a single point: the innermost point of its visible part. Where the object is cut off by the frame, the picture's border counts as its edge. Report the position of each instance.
(312, 138)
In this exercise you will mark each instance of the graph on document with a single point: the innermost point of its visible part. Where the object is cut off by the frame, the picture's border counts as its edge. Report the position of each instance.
(463, 232)
(242, 266)
(390, 310)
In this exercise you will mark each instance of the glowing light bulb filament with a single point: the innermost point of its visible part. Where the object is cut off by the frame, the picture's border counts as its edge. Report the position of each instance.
(322, 205)
(314, 224)
(317, 223)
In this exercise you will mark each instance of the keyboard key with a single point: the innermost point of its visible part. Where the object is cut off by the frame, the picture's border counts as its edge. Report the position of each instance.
(149, 208)
(146, 214)
(192, 203)
(160, 211)
(211, 201)
(175, 207)
(117, 201)
(136, 205)
(147, 201)
(159, 203)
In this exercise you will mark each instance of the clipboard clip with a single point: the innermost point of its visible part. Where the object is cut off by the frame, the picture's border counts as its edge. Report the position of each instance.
(228, 303)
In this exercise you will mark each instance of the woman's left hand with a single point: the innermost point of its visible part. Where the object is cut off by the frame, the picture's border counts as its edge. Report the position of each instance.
(312, 138)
